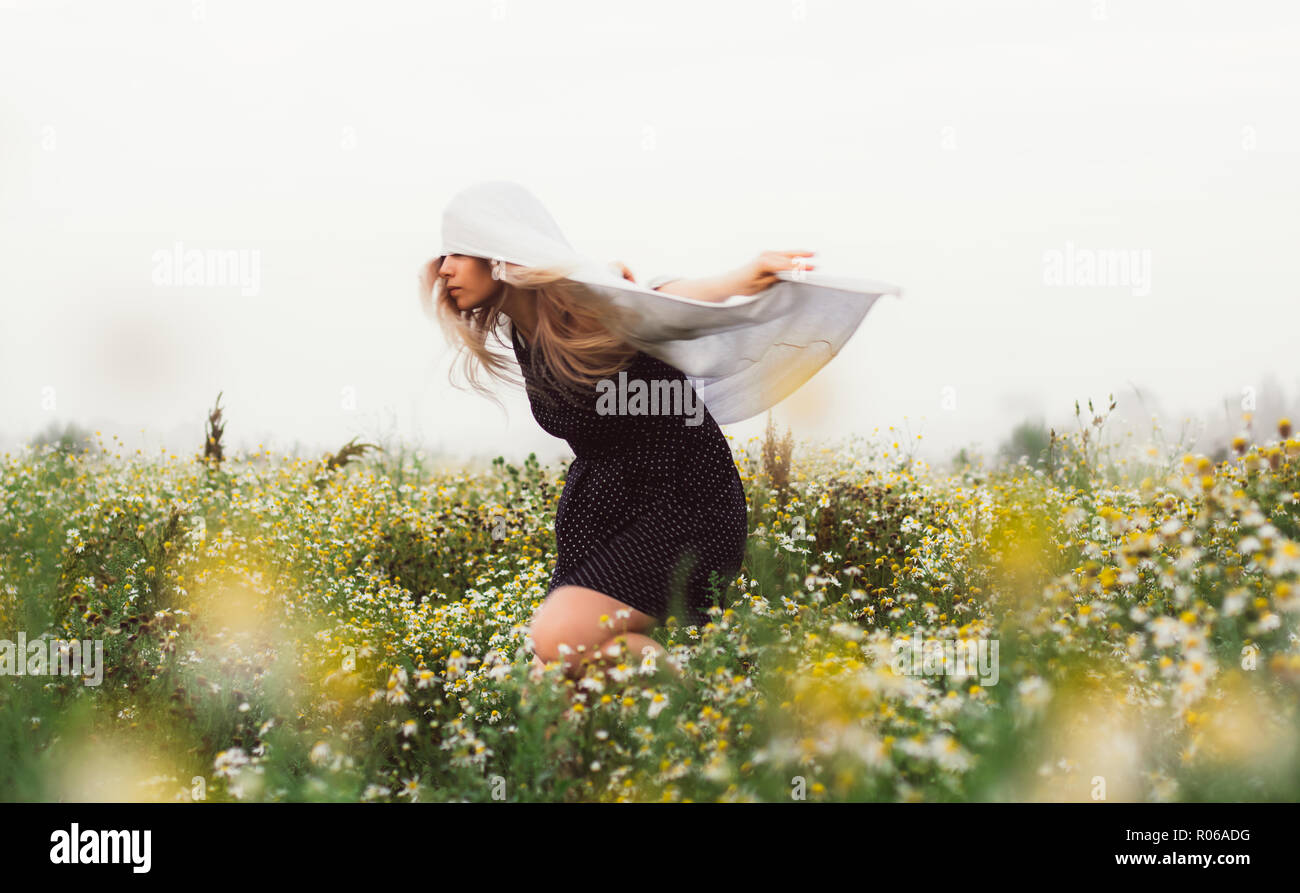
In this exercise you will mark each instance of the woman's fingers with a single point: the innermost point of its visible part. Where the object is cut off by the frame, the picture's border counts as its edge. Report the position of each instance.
(776, 261)
(761, 273)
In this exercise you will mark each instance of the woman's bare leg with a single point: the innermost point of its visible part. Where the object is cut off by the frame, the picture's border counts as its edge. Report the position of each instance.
(571, 615)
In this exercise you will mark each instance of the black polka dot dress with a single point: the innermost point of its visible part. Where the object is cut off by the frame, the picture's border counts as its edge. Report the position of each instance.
(651, 506)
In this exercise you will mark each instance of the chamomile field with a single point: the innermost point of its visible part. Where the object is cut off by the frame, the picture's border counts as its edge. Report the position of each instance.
(353, 628)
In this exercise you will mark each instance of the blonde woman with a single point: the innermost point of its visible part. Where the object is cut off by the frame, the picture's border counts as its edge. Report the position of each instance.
(652, 514)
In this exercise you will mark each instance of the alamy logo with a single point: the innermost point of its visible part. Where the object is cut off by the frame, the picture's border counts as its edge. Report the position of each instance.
(76, 847)
(659, 396)
(1091, 267)
(53, 657)
(946, 657)
(210, 267)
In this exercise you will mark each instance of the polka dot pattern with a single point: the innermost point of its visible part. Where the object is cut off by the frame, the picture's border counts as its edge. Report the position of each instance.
(651, 505)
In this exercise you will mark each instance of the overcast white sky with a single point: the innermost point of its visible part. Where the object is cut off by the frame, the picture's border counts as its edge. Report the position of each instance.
(945, 147)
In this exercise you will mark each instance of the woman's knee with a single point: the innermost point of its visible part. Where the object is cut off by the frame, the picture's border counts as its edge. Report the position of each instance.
(572, 616)
(553, 626)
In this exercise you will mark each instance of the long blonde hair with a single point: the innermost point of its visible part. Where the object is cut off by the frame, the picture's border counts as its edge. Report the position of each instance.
(577, 342)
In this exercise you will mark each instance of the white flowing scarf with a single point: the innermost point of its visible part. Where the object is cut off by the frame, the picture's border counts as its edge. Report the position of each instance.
(743, 355)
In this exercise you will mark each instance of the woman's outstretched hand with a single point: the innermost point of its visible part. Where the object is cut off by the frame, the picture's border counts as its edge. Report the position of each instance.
(749, 279)
(760, 273)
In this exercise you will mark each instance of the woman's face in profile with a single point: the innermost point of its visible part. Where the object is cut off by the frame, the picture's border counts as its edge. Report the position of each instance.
(468, 280)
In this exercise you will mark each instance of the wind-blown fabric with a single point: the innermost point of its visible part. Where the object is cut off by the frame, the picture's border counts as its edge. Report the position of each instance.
(743, 355)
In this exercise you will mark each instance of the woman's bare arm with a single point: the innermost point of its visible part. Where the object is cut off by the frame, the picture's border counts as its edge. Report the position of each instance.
(748, 279)
(710, 288)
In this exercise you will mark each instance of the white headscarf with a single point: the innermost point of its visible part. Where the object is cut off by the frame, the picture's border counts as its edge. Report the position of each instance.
(743, 355)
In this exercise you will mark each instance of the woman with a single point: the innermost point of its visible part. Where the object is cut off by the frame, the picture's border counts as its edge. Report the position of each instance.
(653, 511)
